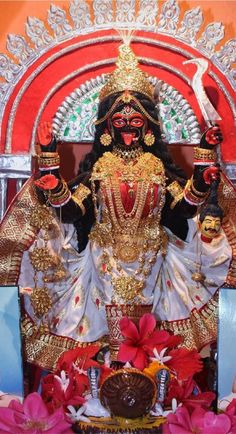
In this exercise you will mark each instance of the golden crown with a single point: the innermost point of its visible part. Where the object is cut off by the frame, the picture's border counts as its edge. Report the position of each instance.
(127, 76)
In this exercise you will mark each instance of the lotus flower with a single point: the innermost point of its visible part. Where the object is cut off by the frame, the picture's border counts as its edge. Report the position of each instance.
(32, 417)
(199, 421)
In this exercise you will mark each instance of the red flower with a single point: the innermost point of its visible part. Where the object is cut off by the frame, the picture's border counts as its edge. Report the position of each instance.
(139, 344)
(199, 421)
(81, 358)
(63, 390)
(184, 362)
(183, 391)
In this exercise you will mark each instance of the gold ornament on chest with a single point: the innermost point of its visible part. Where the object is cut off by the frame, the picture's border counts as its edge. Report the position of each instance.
(127, 287)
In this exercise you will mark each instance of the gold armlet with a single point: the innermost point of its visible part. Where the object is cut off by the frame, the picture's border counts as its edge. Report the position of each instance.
(176, 200)
(176, 192)
(81, 193)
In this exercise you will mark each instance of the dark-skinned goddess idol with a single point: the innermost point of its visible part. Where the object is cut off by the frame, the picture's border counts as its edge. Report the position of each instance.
(133, 213)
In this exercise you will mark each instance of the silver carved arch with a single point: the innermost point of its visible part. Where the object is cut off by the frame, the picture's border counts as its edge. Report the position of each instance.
(85, 16)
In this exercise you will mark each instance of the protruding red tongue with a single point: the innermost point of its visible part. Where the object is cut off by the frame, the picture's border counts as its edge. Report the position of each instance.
(128, 137)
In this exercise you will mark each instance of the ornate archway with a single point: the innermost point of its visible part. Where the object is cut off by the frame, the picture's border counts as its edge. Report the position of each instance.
(58, 57)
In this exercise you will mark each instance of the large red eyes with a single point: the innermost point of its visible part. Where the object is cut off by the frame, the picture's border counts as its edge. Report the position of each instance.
(122, 121)
(136, 122)
(118, 122)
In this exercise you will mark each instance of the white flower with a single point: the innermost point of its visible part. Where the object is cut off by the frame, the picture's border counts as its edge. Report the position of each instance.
(63, 381)
(159, 411)
(75, 416)
(160, 357)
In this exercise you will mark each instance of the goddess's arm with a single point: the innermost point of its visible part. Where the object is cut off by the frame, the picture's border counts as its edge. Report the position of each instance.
(70, 200)
(182, 203)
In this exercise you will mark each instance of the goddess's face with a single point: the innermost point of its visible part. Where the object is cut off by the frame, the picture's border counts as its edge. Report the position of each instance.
(127, 126)
(210, 227)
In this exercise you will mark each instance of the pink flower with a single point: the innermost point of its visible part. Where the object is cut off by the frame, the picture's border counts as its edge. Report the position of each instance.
(231, 412)
(139, 344)
(32, 417)
(199, 421)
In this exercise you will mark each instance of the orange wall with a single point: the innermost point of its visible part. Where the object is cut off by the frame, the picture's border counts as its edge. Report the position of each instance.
(13, 14)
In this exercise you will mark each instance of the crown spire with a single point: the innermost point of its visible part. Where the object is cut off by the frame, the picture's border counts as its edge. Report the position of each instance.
(127, 75)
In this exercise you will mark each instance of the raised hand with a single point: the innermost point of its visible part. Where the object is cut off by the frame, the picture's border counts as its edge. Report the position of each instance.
(45, 137)
(211, 137)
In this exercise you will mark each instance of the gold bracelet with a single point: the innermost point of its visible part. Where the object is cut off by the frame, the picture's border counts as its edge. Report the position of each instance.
(197, 192)
(48, 155)
(202, 154)
(192, 198)
(49, 162)
(176, 192)
(60, 201)
(61, 192)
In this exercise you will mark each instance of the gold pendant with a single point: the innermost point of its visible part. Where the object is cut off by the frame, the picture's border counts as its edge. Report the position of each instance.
(127, 252)
(127, 287)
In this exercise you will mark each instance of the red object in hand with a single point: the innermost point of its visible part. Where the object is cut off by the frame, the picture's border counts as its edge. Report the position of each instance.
(214, 136)
(47, 182)
(44, 133)
(211, 174)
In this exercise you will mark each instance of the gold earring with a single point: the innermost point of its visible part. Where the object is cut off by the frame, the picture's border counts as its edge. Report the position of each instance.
(105, 139)
(149, 138)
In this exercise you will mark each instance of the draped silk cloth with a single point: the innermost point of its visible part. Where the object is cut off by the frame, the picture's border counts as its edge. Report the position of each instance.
(77, 315)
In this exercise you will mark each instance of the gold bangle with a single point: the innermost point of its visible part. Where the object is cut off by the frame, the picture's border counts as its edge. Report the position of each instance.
(174, 189)
(63, 190)
(197, 192)
(48, 155)
(49, 163)
(191, 197)
(202, 154)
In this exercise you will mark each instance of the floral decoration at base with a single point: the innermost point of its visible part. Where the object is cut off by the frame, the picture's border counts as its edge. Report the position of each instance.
(154, 392)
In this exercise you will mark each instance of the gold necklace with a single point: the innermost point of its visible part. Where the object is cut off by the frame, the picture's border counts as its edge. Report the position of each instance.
(131, 237)
(128, 155)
